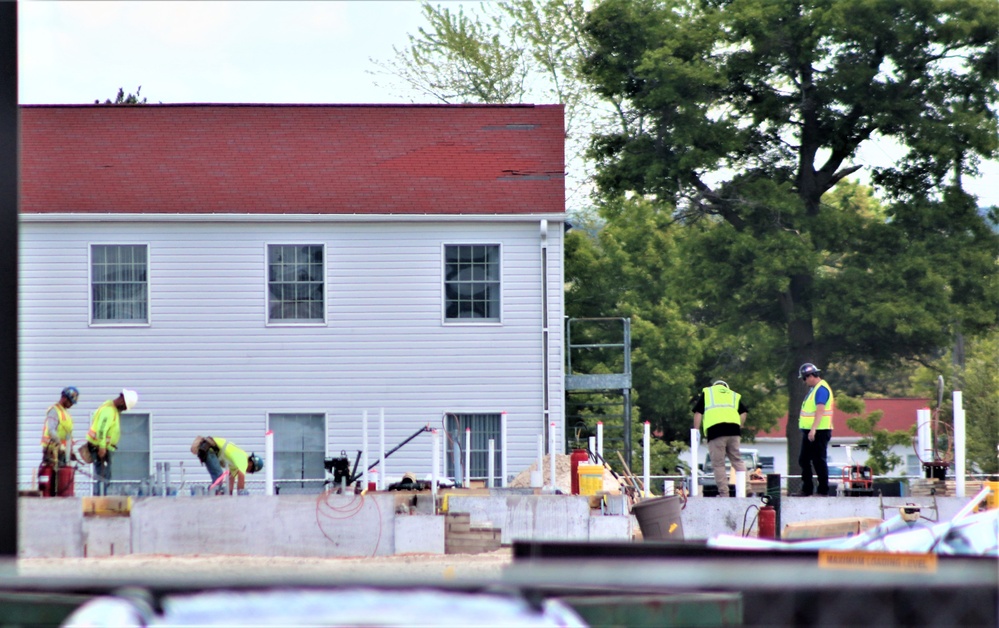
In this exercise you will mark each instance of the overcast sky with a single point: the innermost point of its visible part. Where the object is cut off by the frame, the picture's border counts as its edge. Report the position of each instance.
(238, 52)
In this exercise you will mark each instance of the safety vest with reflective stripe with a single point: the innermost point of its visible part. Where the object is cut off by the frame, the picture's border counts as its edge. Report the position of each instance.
(808, 407)
(65, 429)
(105, 426)
(232, 456)
(721, 405)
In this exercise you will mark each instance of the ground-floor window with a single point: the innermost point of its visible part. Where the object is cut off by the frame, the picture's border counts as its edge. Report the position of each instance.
(130, 471)
(299, 451)
(483, 427)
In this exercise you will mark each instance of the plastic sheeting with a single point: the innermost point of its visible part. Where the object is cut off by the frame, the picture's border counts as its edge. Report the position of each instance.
(339, 607)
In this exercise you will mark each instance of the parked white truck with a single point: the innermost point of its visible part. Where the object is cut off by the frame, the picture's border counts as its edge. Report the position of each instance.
(751, 457)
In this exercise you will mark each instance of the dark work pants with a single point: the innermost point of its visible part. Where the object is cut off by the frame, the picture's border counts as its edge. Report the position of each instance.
(102, 470)
(813, 454)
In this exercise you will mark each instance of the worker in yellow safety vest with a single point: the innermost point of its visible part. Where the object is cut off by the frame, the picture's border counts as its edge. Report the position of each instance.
(723, 414)
(815, 423)
(104, 433)
(57, 432)
(218, 454)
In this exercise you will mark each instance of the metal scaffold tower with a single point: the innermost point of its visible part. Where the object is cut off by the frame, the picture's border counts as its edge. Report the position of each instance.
(607, 341)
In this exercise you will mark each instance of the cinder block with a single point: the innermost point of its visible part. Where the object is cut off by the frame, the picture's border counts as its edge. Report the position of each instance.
(49, 527)
(611, 528)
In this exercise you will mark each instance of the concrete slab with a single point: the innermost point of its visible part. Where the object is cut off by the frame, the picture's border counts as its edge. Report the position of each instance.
(610, 528)
(419, 534)
(107, 536)
(50, 527)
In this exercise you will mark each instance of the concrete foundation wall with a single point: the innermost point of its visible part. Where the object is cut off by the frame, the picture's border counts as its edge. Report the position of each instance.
(349, 526)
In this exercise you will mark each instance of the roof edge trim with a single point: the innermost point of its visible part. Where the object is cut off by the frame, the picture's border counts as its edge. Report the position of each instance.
(311, 218)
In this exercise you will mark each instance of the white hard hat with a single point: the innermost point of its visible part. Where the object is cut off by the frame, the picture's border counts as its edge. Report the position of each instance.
(131, 398)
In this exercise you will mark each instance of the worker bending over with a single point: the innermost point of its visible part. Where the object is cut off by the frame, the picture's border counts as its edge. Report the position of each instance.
(217, 453)
(104, 434)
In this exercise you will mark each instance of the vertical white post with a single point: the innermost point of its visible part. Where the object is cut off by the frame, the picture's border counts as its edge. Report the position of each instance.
(468, 457)
(536, 482)
(695, 455)
(960, 436)
(923, 433)
(364, 449)
(551, 451)
(504, 446)
(381, 447)
(593, 444)
(269, 462)
(646, 458)
(435, 461)
(600, 438)
(492, 463)
(740, 483)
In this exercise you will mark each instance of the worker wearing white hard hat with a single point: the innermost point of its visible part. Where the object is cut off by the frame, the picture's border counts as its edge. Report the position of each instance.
(105, 431)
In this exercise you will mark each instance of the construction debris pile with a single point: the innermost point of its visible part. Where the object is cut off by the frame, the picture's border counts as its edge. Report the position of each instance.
(563, 475)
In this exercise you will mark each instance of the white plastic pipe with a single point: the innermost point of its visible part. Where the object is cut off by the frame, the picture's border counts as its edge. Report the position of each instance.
(492, 463)
(503, 448)
(593, 444)
(960, 437)
(536, 482)
(468, 457)
(381, 447)
(740, 483)
(694, 457)
(364, 448)
(551, 451)
(923, 433)
(600, 438)
(269, 462)
(435, 462)
(646, 458)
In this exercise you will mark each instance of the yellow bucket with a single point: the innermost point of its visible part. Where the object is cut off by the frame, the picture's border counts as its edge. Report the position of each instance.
(591, 479)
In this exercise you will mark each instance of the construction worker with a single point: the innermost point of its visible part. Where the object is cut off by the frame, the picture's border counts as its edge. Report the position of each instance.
(57, 434)
(815, 423)
(723, 416)
(105, 430)
(217, 453)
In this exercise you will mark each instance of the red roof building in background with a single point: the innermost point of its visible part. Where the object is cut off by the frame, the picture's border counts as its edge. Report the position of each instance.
(294, 159)
(899, 414)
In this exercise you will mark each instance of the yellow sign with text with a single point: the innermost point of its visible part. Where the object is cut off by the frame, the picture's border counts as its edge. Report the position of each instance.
(878, 561)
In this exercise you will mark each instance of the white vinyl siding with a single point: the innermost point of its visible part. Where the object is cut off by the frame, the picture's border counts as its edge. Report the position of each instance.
(209, 363)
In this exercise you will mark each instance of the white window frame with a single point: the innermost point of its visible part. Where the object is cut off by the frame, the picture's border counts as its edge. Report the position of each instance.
(444, 299)
(267, 285)
(93, 322)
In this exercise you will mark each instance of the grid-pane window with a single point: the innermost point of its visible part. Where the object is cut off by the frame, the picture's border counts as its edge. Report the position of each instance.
(472, 282)
(483, 427)
(913, 466)
(119, 283)
(130, 462)
(295, 283)
(299, 450)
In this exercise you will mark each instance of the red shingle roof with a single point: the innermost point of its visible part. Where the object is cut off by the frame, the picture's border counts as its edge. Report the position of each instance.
(327, 159)
(899, 414)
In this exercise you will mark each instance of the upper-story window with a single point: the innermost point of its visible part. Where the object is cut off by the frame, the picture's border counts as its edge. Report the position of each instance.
(471, 282)
(119, 283)
(296, 283)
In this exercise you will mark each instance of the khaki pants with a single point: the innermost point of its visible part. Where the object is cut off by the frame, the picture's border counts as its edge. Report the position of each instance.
(722, 447)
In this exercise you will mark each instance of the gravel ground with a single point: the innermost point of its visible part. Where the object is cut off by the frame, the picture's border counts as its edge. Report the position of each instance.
(418, 567)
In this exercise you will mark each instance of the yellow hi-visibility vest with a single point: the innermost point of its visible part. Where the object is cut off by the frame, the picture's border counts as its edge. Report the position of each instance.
(808, 407)
(65, 428)
(721, 405)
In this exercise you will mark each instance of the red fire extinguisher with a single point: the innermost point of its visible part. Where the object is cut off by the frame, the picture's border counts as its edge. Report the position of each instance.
(578, 456)
(768, 522)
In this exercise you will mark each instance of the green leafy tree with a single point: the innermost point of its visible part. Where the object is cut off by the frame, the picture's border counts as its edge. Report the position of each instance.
(124, 99)
(747, 113)
(878, 442)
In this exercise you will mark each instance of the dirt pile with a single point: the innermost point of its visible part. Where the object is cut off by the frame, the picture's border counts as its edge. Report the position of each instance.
(563, 475)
